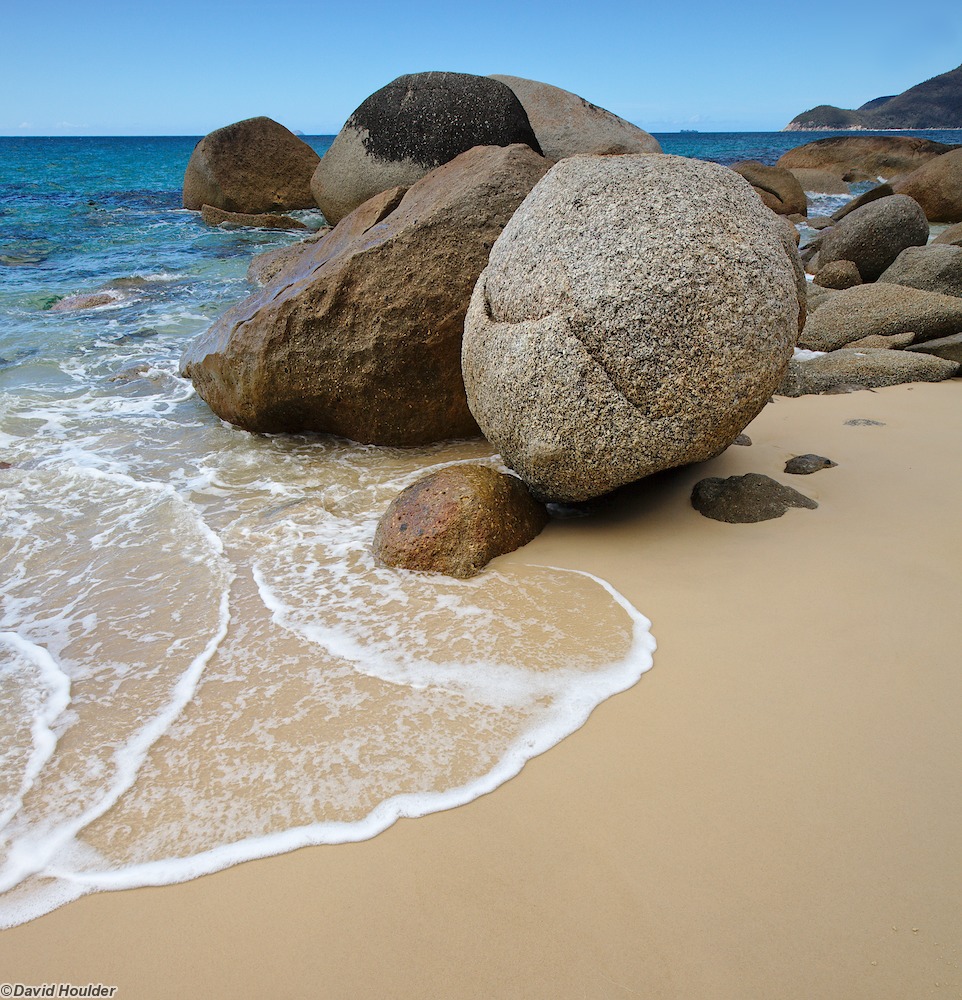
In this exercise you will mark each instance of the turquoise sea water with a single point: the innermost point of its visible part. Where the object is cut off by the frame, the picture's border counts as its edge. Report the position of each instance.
(199, 662)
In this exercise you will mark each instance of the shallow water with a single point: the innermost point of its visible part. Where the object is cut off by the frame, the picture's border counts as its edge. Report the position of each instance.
(199, 661)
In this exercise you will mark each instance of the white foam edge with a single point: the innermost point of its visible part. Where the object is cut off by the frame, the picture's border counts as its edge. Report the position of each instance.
(23, 860)
(57, 685)
(801, 354)
(568, 717)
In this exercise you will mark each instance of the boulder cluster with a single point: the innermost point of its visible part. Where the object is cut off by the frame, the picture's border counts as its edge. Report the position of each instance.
(505, 258)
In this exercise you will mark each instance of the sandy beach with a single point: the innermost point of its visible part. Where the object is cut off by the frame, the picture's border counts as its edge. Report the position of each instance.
(773, 811)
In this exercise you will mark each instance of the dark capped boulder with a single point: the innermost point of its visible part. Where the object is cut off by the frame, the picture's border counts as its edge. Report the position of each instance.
(864, 157)
(937, 187)
(361, 337)
(456, 520)
(410, 127)
(745, 499)
(252, 166)
(635, 314)
(880, 309)
(565, 123)
(936, 268)
(874, 235)
(779, 189)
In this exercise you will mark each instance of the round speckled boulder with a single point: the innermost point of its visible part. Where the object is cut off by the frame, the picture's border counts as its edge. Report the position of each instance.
(251, 166)
(408, 128)
(635, 314)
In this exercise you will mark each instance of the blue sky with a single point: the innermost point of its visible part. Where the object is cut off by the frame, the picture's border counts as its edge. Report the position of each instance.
(185, 67)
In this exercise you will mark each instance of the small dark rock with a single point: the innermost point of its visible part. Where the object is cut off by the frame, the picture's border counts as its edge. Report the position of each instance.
(746, 499)
(805, 465)
(5, 465)
(861, 422)
(743, 439)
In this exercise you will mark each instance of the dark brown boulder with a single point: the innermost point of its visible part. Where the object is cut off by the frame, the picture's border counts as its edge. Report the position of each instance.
(874, 235)
(246, 220)
(251, 166)
(863, 157)
(937, 187)
(409, 128)
(362, 336)
(779, 189)
(456, 520)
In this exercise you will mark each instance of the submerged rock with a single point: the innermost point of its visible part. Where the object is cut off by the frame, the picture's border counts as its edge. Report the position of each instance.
(456, 520)
(566, 124)
(239, 220)
(362, 336)
(746, 499)
(251, 166)
(409, 128)
(85, 300)
(636, 313)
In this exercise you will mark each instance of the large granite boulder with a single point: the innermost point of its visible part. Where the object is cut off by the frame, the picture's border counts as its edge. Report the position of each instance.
(937, 187)
(880, 309)
(936, 268)
(863, 157)
(362, 336)
(866, 197)
(566, 124)
(778, 188)
(408, 128)
(866, 368)
(635, 314)
(874, 235)
(456, 520)
(252, 166)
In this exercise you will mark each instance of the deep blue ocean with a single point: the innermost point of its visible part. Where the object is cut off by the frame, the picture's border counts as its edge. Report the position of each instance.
(199, 661)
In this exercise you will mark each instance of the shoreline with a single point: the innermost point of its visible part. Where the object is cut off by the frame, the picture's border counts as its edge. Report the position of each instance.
(772, 810)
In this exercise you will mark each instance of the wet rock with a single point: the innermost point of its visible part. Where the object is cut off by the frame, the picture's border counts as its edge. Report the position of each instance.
(90, 300)
(838, 274)
(936, 268)
(239, 220)
(5, 465)
(746, 499)
(566, 124)
(456, 520)
(778, 188)
(805, 465)
(937, 187)
(252, 166)
(874, 235)
(409, 128)
(578, 359)
(362, 336)
(882, 310)
(870, 368)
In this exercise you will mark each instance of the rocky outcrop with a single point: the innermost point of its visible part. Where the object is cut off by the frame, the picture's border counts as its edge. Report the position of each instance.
(239, 220)
(880, 310)
(251, 166)
(863, 157)
(866, 368)
(779, 189)
(937, 187)
(264, 267)
(874, 235)
(410, 127)
(635, 315)
(566, 124)
(362, 337)
(935, 268)
(935, 103)
(746, 499)
(456, 520)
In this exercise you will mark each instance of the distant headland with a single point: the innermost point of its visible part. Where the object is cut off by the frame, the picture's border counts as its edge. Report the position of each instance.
(936, 103)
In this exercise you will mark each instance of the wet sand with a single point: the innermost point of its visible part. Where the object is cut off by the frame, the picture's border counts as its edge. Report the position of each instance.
(772, 812)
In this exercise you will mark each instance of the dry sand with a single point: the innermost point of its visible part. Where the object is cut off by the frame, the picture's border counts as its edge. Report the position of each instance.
(772, 812)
